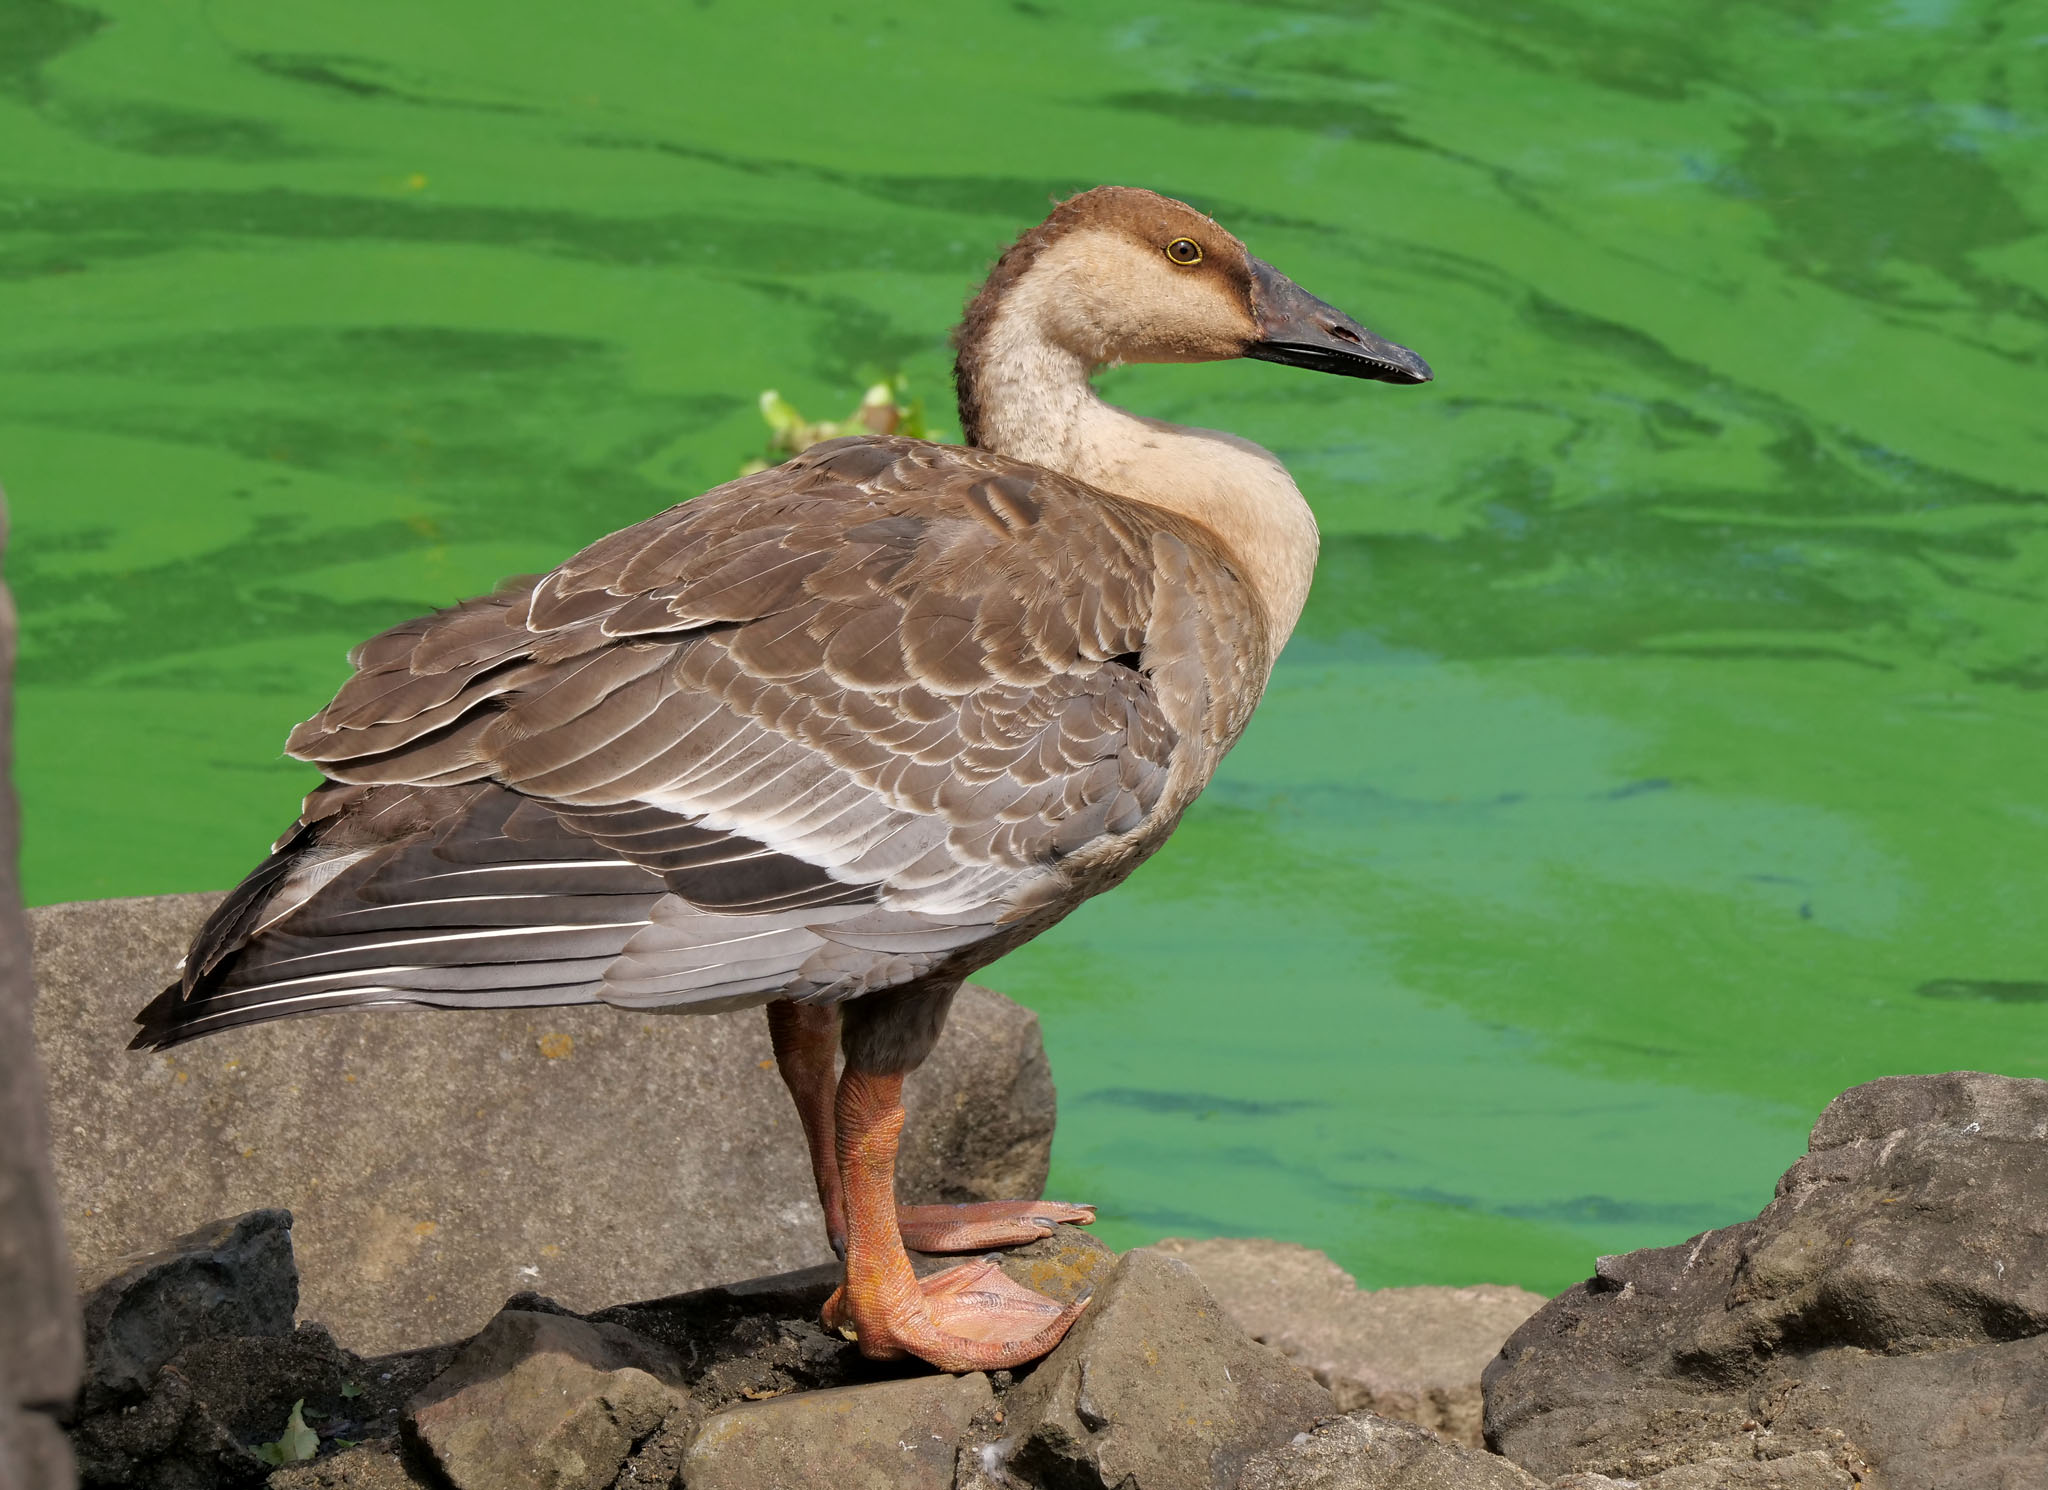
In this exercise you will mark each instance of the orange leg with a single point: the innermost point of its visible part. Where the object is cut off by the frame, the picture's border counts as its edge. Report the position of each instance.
(806, 1041)
(969, 1318)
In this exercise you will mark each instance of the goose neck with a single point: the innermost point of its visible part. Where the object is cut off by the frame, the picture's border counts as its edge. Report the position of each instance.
(1026, 395)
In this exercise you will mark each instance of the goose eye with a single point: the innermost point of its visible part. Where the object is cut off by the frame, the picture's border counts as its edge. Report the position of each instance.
(1184, 251)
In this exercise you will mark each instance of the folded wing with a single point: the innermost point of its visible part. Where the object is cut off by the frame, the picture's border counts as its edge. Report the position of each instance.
(807, 735)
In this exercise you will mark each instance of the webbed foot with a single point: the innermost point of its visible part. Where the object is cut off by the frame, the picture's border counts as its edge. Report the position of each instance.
(979, 1225)
(968, 1318)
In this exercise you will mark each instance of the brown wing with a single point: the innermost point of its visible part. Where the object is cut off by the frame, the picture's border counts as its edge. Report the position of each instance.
(843, 718)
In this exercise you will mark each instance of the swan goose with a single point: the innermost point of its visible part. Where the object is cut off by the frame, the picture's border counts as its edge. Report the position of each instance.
(830, 737)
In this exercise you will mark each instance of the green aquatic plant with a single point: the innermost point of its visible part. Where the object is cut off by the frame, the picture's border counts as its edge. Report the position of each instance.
(296, 1443)
(885, 409)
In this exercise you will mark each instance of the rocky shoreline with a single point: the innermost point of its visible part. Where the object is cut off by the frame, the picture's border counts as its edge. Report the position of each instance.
(196, 1365)
(1883, 1322)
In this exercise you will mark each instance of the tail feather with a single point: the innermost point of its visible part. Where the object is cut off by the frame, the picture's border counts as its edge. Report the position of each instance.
(467, 897)
(477, 897)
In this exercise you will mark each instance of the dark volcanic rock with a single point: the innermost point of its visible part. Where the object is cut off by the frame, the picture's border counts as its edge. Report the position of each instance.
(890, 1435)
(1155, 1388)
(233, 1277)
(1366, 1452)
(1890, 1305)
(548, 1402)
(195, 1364)
(207, 1408)
(437, 1163)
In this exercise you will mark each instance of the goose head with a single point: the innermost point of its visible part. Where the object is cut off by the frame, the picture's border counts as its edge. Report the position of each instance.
(1123, 275)
(1119, 274)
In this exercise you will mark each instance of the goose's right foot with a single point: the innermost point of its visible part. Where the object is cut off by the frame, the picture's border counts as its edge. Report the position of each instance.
(969, 1318)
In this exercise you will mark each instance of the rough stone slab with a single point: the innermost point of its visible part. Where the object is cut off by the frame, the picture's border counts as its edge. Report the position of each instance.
(438, 1163)
(232, 1277)
(546, 1402)
(1155, 1388)
(1889, 1308)
(892, 1435)
(40, 1346)
(1409, 1353)
(1363, 1451)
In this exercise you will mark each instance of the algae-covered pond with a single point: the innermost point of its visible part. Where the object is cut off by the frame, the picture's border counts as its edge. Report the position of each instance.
(1662, 750)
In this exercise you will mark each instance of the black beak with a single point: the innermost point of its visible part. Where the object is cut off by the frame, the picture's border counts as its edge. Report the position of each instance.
(1301, 331)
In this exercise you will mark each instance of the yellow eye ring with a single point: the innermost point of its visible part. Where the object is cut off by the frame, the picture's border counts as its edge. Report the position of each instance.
(1184, 251)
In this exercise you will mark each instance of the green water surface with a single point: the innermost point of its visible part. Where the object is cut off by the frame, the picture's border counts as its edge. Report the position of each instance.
(1661, 751)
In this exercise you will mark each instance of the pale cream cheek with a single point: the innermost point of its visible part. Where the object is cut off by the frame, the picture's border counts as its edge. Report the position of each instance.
(1117, 301)
(1175, 316)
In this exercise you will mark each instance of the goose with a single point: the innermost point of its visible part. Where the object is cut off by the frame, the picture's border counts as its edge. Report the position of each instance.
(828, 738)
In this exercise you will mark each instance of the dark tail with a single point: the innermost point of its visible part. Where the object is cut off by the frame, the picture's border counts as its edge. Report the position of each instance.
(470, 897)
(225, 932)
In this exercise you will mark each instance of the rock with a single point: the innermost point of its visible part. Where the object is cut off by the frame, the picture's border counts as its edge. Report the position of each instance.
(211, 1403)
(546, 1402)
(762, 1337)
(208, 1405)
(438, 1163)
(233, 1277)
(892, 1435)
(1408, 1353)
(1888, 1308)
(1365, 1452)
(1809, 1471)
(33, 1452)
(1063, 1266)
(40, 1351)
(367, 1466)
(1155, 1389)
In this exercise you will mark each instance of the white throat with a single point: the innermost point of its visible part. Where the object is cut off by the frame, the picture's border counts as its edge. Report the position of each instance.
(1037, 406)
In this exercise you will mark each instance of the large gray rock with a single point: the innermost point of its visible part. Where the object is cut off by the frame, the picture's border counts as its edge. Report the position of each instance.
(1155, 1388)
(546, 1402)
(1889, 1307)
(227, 1278)
(890, 1435)
(1367, 1452)
(40, 1352)
(1409, 1353)
(437, 1163)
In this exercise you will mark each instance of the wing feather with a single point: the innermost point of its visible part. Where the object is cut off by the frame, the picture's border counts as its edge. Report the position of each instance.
(815, 732)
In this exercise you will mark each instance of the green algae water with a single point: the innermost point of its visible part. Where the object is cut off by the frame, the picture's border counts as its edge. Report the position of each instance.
(1661, 752)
